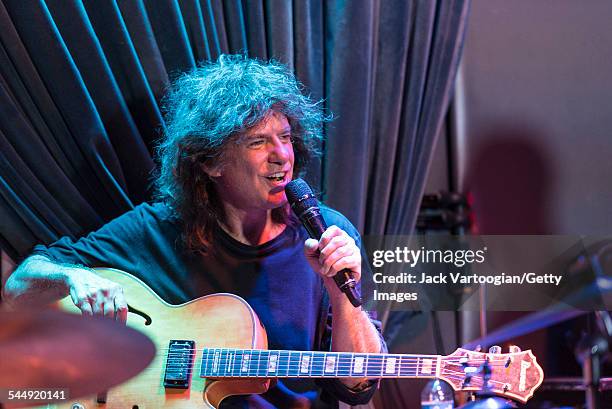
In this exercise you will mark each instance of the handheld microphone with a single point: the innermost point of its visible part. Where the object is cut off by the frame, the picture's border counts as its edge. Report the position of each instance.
(306, 207)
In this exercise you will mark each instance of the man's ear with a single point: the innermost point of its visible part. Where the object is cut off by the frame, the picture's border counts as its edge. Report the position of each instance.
(213, 171)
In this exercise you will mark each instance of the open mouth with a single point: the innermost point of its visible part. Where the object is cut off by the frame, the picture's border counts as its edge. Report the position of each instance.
(277, 177)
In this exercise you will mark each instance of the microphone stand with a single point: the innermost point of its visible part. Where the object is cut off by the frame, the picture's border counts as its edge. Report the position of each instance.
(590, 352)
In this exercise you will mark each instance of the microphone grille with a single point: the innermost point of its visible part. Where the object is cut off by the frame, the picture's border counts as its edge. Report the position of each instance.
(296, 190)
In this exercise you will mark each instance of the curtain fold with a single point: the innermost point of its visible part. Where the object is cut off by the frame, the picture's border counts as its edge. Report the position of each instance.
(82, 82)
(81, 85)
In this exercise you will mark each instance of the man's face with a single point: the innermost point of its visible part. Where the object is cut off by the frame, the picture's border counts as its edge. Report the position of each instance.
(255, 170)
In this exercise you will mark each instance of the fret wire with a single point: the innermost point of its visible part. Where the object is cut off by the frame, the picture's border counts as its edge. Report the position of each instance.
(222, 360)
(237, 360)
(399, 366)
(228, 358)
(257, 365)
(299, 359)
(337, 364)
(206, 367)
(319, 360)
(308, 371)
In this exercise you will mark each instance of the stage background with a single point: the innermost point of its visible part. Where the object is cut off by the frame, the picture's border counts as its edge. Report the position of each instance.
(81, 86)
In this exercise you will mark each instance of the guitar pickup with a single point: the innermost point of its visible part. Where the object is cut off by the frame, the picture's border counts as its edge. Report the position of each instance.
(179, 364)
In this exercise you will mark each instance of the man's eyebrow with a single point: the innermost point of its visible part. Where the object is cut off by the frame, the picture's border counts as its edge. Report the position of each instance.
(258, 135)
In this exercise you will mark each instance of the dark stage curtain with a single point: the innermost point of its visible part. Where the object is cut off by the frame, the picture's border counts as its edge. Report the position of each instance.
(81, 83)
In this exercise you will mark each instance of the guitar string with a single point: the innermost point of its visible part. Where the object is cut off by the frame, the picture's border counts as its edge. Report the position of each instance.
(341, 361)
(380, 362)
(278, 373)
(474, 383)
(242, 352)
(229, 350)
(461, 375)
(298, 364)
(380, 358)
(278, 352)
(364, 354)
(282, 355)
(179, 363)
(176, 361)
(476, 380)
(280, 369)
(454, 375)
(223, 365)
(274, 352)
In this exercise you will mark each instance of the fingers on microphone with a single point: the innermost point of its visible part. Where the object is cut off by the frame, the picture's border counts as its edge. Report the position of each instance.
(311, 246)
(329, 260)
(331, 232)
(350, 263)
(333, 245)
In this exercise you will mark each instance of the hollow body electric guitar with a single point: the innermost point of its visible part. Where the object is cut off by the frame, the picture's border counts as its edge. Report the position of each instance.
(215, 346)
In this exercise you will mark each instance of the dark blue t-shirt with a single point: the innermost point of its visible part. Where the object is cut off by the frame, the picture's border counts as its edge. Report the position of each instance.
(274, 278)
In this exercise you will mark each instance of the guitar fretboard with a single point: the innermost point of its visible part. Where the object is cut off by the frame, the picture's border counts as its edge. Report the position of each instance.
(255, 363)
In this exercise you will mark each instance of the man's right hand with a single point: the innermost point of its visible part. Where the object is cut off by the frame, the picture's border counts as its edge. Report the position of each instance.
(38, 282)
(95, 295)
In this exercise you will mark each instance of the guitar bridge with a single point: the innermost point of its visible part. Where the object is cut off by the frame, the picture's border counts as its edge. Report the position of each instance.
(179, 364)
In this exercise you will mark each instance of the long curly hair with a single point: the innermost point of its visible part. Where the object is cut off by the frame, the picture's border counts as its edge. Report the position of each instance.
(209, 107)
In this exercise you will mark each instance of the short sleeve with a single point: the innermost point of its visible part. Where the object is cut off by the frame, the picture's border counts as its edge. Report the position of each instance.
(122, 243)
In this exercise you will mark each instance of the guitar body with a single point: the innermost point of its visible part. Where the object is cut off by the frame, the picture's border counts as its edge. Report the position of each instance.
(210, 321)
(220, 341)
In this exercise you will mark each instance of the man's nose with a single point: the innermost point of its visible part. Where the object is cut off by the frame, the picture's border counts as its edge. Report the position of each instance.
(280, 152)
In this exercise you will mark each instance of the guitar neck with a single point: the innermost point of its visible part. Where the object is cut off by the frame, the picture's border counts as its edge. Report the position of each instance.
(254, 363)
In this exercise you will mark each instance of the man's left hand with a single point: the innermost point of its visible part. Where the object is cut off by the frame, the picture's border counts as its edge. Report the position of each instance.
(335, 251)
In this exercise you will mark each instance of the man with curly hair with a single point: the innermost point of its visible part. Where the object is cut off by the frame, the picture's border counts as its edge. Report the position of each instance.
(237, 131)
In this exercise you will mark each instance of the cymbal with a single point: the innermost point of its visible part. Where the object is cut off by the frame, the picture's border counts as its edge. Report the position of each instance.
(85, 355)
(542, 319)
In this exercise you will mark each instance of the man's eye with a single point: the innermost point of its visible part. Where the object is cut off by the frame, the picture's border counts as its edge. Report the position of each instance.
(256, 143)
(286, 138)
